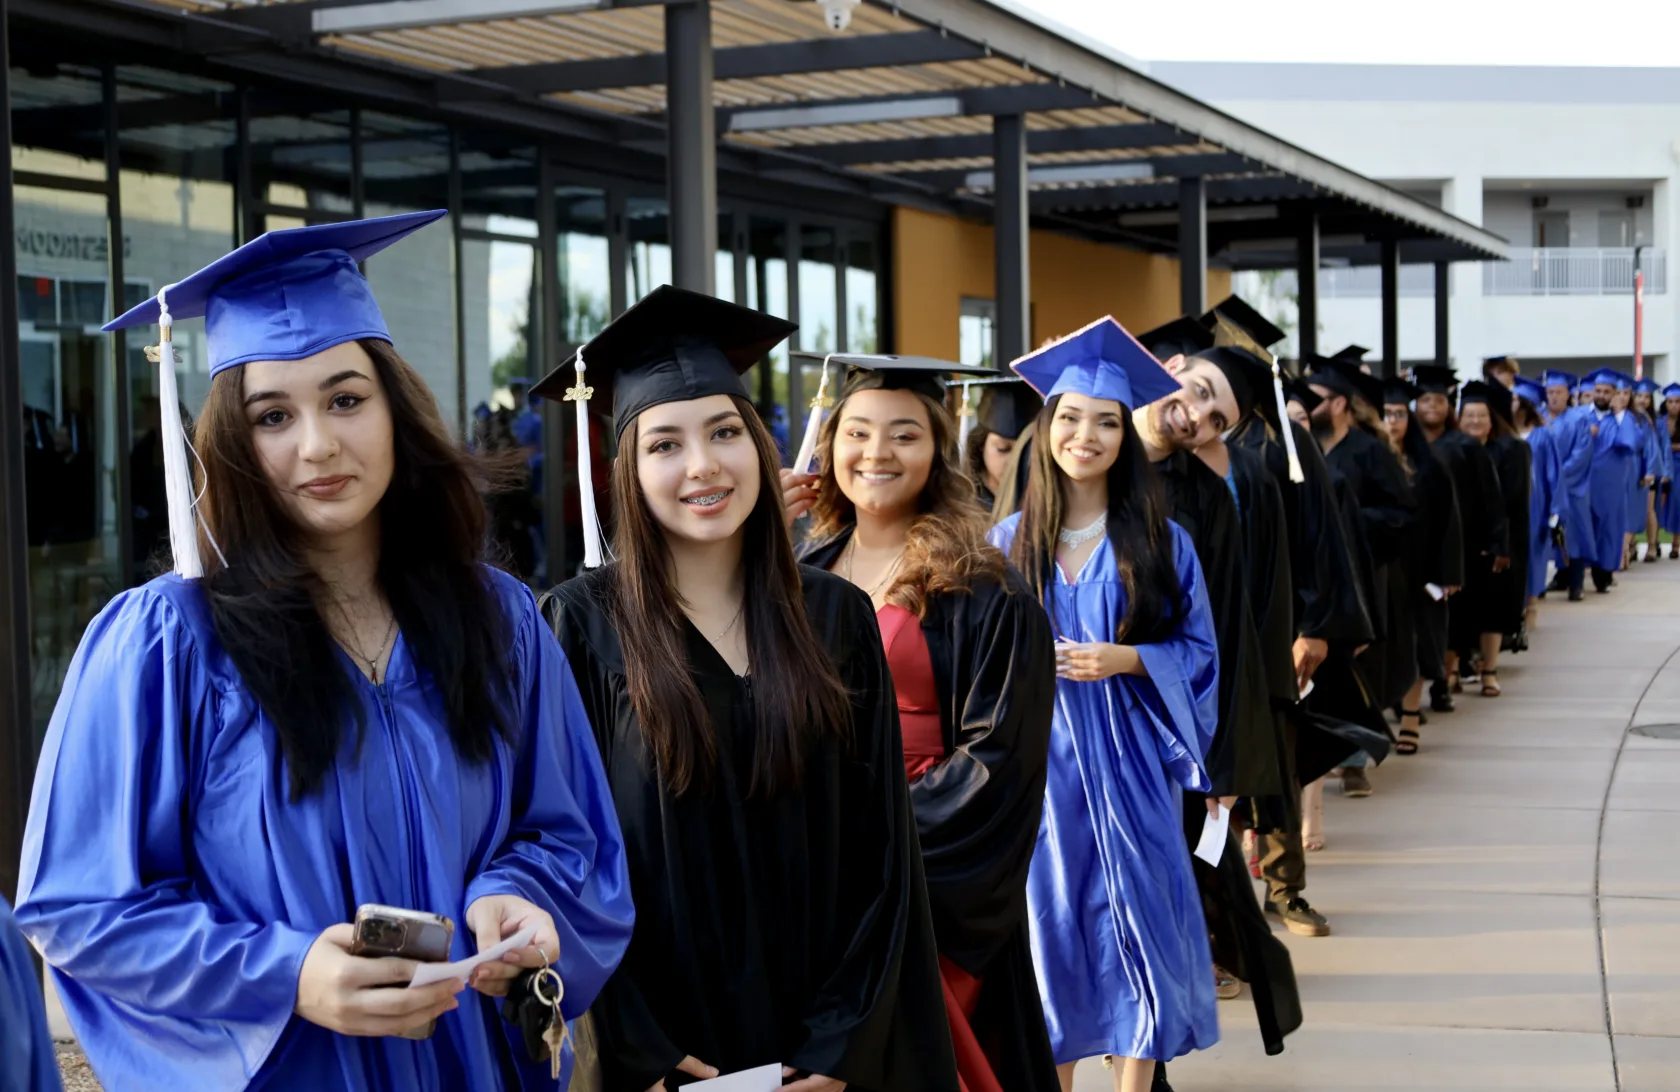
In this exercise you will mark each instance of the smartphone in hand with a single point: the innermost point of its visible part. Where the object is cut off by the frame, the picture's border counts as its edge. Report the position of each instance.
(388, 931)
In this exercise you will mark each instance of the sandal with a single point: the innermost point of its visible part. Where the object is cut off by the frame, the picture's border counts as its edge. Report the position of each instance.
(1225, 984)
(1407, 743)
(1490, 683)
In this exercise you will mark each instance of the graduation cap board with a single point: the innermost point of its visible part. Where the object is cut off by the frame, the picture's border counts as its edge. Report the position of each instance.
(1435, 379)
(285, 295)
(1671, 391)
(672, 345)
(925, 375)
(1101, 360)
(1344, 378)
(1296, 390)
(1645, 386)
(1608, 377)
(1534, 392)
(1355, 353)
(1184, 336)
(1398, 392)
(1239, 312)
(1552, 377)
(1008, 406)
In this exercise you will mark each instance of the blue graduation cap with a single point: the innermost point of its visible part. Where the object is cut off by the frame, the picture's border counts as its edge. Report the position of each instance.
(284, 295)
(1607, 376)
(1100, 361)
(1645, 386)
(1553, 377)
(1671, 391)
(1529, 389)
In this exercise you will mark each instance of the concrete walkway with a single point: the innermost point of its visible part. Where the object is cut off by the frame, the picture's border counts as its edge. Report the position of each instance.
(1506, 907)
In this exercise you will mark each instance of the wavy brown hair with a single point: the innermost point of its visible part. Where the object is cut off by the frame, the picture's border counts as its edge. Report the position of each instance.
(434, 532)
(1137, 529)
(946, 549)
(797, 691)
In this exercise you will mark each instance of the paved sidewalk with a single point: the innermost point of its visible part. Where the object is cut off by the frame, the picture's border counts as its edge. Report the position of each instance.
(1507, 905)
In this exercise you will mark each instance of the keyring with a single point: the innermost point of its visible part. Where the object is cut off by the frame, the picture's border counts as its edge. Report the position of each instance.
(548, 974)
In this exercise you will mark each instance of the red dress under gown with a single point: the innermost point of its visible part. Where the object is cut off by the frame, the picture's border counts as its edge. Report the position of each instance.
(924, 748)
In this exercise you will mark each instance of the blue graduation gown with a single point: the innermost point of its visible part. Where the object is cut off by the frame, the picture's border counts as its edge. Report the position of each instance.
(1574, 443)
(1118, 937)
(1615, 456)
(28, 1062)
(175, 888)
(1648, 464)
(1668, 500)
(1542, 504)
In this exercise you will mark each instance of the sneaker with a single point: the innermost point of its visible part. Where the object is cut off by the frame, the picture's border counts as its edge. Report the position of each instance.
(1354, 782)
(1299, 917)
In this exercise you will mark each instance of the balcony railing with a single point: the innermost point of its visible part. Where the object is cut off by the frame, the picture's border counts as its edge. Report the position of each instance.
(1365, 282)
(1573, 271)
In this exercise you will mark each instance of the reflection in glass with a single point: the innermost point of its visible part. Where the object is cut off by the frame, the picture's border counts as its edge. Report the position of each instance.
(69, 427)
(819, 321)
(767, 286)
(581, 253)
(977, 332)
(647, 221)
(863, 329)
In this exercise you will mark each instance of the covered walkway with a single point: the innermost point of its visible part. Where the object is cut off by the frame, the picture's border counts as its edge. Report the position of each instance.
(1507, 905)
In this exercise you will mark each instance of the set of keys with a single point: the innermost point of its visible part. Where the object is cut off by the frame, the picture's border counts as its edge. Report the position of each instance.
(548, 989)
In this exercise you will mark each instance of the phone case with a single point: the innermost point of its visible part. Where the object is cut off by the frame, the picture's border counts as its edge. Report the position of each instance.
(390, 931)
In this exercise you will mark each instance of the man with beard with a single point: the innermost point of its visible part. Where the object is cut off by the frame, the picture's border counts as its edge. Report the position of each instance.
(1573, 440)
(1349, 428)
(1481, 504)
(1615, 450)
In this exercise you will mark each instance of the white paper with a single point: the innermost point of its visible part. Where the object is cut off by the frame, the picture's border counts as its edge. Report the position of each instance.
(1436, 592)
(766, 1078)
(1212, 845)
(1305, 690)
(463, 969)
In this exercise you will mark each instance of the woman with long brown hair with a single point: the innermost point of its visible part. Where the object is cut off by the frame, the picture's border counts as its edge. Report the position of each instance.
(974, 672)
(1118, 935)
(332, 709)
(744, 709)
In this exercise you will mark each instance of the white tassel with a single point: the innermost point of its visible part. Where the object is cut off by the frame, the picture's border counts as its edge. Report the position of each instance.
(177, 475)
(803, 463)
(965, 419)
(586, 470)
(1296, 474)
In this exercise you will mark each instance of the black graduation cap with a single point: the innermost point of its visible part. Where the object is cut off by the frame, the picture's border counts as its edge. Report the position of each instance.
(1434, 379)
(1183, 336)
(1249, 376)
(673, 345)
(1241, 313)
(1296, 390)
(1345, 378)
(1009, 409)
(1398, 392)
(1496, 397)
(1354, 353)
(922, 374)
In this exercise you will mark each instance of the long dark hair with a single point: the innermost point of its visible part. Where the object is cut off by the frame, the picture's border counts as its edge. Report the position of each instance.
(431, 568)
(1137, 529)
(798, 695)
(946, 548)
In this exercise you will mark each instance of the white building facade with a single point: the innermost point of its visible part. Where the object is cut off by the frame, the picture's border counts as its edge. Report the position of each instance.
(1576, 167)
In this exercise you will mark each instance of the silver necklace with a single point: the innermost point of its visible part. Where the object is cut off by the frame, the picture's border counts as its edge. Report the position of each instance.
(731, 626)
(1085, 534)
(355, 650)
(851, 556)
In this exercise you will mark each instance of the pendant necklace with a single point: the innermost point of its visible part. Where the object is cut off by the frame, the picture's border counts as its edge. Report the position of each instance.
(355, 650)
(1085, 534)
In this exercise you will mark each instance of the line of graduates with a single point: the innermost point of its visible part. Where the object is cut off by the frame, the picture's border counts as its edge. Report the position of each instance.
(899, 799)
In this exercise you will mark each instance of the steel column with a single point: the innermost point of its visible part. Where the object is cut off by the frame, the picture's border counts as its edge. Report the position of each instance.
(618, 253)
(792, 244)
(1192, 245)
(124, 390)
(457, 211)
(358, 203)
(691, 165)
(546, 329)
(1390, 308)
(1306, 285)
(1443, 302)
(17, 732)
(1011, 241)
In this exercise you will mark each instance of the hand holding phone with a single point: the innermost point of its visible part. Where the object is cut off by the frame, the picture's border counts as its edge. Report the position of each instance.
(356, 995)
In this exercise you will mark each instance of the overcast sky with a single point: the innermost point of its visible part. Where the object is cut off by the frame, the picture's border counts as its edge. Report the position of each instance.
(1540, 32)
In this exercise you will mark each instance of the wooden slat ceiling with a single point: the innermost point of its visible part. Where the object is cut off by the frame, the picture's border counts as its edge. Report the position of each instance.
(1046, 159)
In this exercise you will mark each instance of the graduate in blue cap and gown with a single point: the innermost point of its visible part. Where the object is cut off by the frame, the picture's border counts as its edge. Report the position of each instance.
(1668, 498)
(1616, 455)
(1544, 477)
(28, 1060)
(1653, 467)
(1573, 441)
(1118, 936)
(332, 701)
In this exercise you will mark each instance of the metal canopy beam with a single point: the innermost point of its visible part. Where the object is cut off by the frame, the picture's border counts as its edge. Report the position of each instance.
(742, 62)
(1011, 239)
(1154, 194)
(1012, 31)
(1094, 138)
(691, 165)
(1306, 281)
(1008, 99)
(1095, 172)
(1192, 245)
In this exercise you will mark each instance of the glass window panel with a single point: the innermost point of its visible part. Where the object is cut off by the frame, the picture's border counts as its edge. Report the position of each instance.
(863, 327)
(767, 286)
(57, 118)
(70, 458)
(581, 253)
(819, 322)
(976, 333)
(647, 221)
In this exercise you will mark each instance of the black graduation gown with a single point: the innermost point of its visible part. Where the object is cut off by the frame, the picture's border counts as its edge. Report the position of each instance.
(1513, 462)
(1487, 535)
(1437, 553)
(1243, 758)
(978, 812)
(793, 929)
(1384, 519)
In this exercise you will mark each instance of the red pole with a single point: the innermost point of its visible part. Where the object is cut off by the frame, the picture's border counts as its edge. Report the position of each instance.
(1638, 317)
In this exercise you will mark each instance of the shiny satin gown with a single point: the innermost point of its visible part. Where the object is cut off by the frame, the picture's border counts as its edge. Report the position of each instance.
(1118, 937)
(175, 888)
